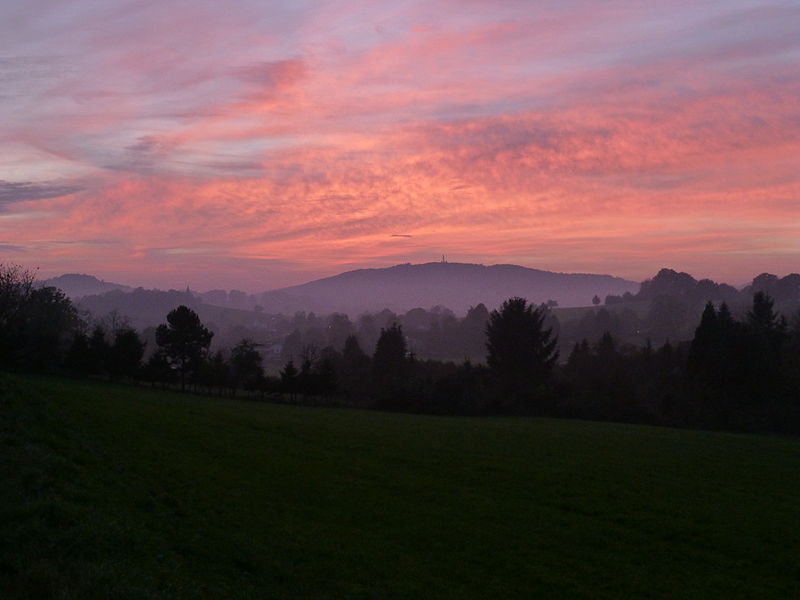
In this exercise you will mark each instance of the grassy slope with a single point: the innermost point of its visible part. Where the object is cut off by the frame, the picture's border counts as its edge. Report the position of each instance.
(128, 493)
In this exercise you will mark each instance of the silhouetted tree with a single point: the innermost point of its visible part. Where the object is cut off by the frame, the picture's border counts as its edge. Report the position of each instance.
(306, 380)
(767, 335)
(353, 368)
(246, 366)
(794, 332)
(739, 370)
(353, 356)
(158, 369)
(184, 340)
(99, 349)
(717, 366)
(125, 354)
(473, 333)
(36, 324)
(521, 352)
(765, 322)
(215, 372)
(16, 285)
(596, 300)
(49, 319)
(325, 375)
(114, 322)
(704, 353)
(390, 367)
(79, 357)
(289, 379)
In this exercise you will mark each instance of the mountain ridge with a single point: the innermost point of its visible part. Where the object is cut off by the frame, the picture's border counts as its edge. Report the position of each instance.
(454, 285)
(400, 287)
(76, 285)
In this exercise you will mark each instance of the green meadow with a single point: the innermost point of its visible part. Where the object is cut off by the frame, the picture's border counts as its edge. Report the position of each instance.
(120, 492)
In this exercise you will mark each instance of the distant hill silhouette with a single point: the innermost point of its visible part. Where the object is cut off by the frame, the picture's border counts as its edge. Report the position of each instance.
(785, 291)
(683, 286)
(400, 288)
(146, 308)
(76, 285)
(454, 285)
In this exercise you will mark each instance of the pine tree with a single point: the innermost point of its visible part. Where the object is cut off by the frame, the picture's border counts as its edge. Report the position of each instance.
(704, 350)
(518, 344)
(522, 352)
(391, 367)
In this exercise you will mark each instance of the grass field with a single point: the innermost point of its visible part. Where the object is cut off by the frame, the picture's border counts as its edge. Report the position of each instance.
(117, 492)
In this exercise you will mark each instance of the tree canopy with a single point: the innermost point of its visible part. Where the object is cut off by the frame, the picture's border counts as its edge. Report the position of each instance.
(246, 364)
(391, 366)
(522, 352)
(35, 322)
(184, 339)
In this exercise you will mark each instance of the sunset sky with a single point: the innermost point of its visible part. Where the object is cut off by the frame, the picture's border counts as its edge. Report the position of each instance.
(256, 144)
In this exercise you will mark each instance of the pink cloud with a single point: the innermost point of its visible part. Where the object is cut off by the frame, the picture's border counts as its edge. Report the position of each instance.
(578, 139)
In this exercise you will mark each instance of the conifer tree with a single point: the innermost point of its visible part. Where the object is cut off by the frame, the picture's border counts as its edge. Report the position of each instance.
(522, 352)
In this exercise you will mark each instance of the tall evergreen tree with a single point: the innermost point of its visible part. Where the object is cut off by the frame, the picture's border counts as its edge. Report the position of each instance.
(521, 354)
(766, 336)
(704, 351)
(391, 367)
(353, 368)
(520, 349)
(765, 322)
(473, 332)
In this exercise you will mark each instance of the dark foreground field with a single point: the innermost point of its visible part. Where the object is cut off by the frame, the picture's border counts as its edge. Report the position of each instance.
(115, 492)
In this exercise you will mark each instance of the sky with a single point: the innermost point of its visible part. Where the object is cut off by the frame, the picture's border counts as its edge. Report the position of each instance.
(254, 144)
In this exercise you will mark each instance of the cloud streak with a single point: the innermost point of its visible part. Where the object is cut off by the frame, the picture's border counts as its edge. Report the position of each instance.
(25, 191)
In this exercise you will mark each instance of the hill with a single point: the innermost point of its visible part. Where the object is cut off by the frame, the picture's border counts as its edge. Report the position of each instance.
(454, 285)
(114, 492)
(76, 285)
(147, 308)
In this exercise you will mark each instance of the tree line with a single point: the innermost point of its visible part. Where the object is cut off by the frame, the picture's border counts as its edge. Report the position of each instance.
(734, 374)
